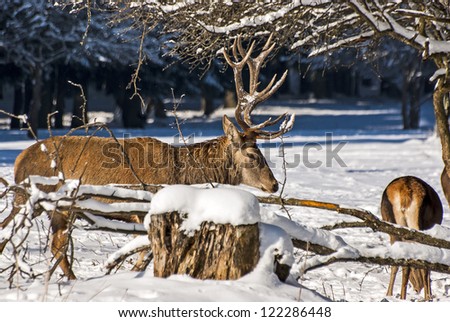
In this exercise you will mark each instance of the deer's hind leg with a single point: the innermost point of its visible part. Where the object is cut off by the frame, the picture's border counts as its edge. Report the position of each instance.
(59, 222)
(425, 273)
(420, 279)
(394, 270)
(405, 279)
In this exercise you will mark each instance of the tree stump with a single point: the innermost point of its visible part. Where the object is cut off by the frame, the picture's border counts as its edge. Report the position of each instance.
(215, 251)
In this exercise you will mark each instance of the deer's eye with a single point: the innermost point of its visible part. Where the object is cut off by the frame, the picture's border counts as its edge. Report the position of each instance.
(254, 157)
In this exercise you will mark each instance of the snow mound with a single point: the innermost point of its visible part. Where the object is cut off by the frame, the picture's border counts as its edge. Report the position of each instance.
(218, 205)
(274, 243)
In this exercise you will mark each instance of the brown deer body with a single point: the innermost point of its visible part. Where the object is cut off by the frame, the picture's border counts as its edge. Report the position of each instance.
(411, 202)
(100, 161)
(231, 159)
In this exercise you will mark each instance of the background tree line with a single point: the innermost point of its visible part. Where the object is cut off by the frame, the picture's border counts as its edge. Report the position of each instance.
(101, 45)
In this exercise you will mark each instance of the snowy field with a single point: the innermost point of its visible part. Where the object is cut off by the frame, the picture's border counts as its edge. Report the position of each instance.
(371, 150)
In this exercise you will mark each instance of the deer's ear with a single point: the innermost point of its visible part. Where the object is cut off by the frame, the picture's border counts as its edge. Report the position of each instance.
(230, 130)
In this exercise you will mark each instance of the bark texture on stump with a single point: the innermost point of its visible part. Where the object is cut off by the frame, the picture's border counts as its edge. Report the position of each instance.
(215, 251)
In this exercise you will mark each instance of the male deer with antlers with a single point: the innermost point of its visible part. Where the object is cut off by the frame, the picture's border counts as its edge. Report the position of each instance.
(231, 159)
(411, 202)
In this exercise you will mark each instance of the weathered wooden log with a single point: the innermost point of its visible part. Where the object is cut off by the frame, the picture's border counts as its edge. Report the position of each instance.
(215, 251)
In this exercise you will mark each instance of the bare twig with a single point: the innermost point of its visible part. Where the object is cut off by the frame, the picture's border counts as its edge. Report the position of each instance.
(177, 123)
(117, 261)
(98, 127)
(24, 120)
(365, 275)
(135, 77)
(83, 106)
(283, 183)
(88, 24)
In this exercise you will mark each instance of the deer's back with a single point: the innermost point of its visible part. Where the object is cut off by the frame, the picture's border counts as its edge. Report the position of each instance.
(95, 160)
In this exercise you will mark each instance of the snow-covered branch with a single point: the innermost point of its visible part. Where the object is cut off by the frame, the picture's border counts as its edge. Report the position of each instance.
(330, 248)
(52, 195)
(321, 24)
(347, 42)
(411, 31)
(429, 249)
(438, 236)
(264, 19)
(438, 262)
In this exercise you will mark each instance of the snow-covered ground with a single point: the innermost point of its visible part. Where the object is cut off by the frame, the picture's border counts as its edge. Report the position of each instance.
(344, 153)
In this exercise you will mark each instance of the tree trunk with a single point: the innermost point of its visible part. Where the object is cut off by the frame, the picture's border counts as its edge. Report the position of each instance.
(229, 99)
(207, 100)
(416, 97)
(157, 105)
(405, 105)
(35, 105)
(215, 251)
(60, 105)
(294, 78)
(133, 115)
(441, 91)
(46, 104)
(319, 84)
(442, 124)
(206, 104)
(18, 104)
(28, 96)
(445, 183)
(411, 96)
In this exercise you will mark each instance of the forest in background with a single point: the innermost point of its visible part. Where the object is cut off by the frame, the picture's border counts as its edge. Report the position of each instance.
(46, 50)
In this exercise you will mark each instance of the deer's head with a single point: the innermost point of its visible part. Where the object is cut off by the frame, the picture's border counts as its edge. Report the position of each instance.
(250, 162)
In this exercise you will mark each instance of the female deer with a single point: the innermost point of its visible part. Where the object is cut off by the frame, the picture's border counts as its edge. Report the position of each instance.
(411, 202)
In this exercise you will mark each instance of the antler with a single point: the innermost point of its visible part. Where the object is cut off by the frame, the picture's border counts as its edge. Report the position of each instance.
(247, 101)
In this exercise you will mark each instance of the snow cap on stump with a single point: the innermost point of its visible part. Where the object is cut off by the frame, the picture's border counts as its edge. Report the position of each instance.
(218, 205)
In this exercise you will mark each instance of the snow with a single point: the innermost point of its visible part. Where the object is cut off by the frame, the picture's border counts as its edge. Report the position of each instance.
(271, 16)
(388, 23)
(423, 252)
(218, 205)
(23, 118)
(299, 231)
(440, 232)
(114, 225)
(274, 241)
(376, 151)
(288, 123)
(109, 190)
(438, 73)
(92, 204)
